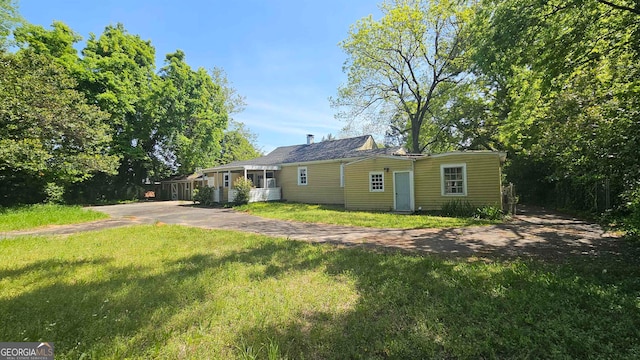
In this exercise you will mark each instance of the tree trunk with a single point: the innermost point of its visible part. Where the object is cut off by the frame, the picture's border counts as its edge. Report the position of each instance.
(415, 136)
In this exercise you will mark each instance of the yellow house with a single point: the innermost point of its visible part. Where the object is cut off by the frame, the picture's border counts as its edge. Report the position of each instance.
(424, 182)
(353, 172)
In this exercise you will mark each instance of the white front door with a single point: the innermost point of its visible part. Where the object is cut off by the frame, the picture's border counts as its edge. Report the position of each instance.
(402, 189)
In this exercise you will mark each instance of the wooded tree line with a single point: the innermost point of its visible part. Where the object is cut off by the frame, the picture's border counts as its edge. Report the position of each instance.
(96, 125)
(555, 83)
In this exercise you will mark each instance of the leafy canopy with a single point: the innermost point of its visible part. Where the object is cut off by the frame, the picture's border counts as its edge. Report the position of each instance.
(48, 133)
(402, 68)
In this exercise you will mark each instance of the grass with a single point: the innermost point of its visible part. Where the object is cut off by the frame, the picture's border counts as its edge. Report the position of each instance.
(32, 216)
(173, 292)
(336, 215)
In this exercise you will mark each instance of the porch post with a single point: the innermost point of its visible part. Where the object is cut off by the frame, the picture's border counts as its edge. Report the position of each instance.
(245, 173)
(264, 178)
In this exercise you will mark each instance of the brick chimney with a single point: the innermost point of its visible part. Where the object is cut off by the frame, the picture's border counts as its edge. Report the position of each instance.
(309, 139)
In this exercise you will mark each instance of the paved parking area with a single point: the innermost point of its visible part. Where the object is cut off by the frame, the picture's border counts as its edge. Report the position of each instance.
(534, 232)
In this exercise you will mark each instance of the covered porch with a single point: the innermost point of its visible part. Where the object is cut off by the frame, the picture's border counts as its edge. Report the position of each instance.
(263, 178)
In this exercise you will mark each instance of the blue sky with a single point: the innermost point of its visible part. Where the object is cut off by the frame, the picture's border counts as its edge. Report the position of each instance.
(283, 56)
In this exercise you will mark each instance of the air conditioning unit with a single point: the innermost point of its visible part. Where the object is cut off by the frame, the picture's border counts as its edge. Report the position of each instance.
(271, 183)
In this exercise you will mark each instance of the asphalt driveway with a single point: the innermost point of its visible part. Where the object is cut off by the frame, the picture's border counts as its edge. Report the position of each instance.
(534, 232)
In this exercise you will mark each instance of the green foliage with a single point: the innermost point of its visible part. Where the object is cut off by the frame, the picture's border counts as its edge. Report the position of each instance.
(56, 44)
(488, 212)
(9, 18)
(32, 216)
(194, 114)
(403, 69)
(54, 193)
(48, 132)
(238, 143)
(234, 295)
(632, 220)
(119, 75)
(242, 187)
(204, 195)
(560, 83)
(162, 124)
(327, 214)
(458, 208)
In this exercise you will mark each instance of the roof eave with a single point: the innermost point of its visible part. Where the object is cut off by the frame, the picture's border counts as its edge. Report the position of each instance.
(225, 168)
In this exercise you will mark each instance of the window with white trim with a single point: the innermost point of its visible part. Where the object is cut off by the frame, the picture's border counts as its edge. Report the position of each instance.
(302, 175)
(454, 179)
(376, 181)
(225, 179)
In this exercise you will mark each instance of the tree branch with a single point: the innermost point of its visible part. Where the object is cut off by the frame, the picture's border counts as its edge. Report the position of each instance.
(620, 7)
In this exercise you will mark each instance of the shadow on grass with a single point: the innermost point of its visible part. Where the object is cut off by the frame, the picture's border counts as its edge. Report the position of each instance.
(84, 316)
(429, 307)
(408, 306)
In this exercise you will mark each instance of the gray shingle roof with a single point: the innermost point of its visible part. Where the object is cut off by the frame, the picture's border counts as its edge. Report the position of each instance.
(325, 150)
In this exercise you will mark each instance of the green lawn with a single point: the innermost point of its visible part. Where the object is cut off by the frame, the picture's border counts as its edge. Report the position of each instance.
(40, 215)
(173, 292)
(328, 214)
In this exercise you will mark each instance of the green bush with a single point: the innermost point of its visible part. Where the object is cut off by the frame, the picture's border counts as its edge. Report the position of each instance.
(489, 213)
(203, 195)
(632, 220)
(242, 187)
(458, 208)
(54, 193)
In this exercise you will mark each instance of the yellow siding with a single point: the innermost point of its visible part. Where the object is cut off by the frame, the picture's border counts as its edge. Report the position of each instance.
(323, 184)
(483, 180)
(357, 194)
(368, 145)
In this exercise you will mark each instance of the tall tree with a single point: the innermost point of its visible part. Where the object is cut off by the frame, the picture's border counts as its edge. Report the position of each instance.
(563, 76)
(403, 67)
(119, 77)
(194, 115)
(233, 102)
(48, 133)
(238, 143)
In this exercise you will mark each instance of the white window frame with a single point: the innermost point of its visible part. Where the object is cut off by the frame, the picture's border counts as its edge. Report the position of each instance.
(443, 187)
(371, 173)
(306, 175)
(341, 175)
(226, 180)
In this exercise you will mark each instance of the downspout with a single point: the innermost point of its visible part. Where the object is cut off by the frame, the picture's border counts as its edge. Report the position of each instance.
(229, 187)
(344, 189)
(412, 184)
